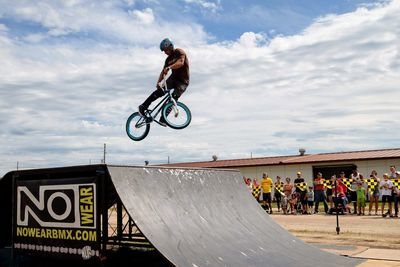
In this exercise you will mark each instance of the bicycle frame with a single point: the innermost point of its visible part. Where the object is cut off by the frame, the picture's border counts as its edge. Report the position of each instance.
(151, 114)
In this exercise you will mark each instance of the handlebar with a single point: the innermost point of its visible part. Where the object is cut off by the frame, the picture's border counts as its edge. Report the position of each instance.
(163, 82)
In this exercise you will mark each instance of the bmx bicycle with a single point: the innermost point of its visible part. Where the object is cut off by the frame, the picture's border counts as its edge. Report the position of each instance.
(176, 115)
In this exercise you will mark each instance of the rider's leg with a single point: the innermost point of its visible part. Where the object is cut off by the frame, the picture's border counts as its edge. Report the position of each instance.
(154, 96)
(179, 89)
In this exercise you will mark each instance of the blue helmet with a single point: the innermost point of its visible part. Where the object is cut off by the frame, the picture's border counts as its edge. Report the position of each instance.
(165, 43)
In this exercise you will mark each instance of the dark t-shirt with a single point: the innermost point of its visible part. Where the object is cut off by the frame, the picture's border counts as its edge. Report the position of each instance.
(297, 181)
(181, 74)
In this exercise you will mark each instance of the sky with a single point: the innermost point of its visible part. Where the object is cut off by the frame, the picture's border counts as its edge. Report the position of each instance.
(267, 78)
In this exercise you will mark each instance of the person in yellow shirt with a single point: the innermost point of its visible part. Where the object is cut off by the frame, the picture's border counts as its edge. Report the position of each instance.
(266, 185)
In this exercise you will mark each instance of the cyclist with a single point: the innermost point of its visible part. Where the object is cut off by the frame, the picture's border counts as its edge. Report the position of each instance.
(178, 62)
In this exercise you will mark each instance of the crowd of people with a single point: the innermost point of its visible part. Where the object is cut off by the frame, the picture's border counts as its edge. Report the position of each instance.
(347, 195)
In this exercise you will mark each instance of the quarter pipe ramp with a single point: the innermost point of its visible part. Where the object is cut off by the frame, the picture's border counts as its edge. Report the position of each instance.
(206, 217)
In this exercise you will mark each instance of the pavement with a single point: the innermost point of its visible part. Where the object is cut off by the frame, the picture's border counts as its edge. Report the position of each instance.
(373, 256)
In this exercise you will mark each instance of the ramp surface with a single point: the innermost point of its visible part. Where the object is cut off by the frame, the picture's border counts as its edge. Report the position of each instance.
(207, 217)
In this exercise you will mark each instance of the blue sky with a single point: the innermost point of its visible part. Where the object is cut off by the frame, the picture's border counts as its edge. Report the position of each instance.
(267, 77)
(229, 19)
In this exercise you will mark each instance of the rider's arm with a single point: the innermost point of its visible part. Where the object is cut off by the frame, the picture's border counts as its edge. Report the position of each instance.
(178, 64)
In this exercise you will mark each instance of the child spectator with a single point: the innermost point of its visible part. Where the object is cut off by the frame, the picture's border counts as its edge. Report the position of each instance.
(386, 187)
(310, 199)
(294, 198)
(360, 191)
(339, 195)
(287, 191)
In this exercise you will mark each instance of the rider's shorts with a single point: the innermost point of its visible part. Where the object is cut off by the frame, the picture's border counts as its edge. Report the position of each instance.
(179, 87)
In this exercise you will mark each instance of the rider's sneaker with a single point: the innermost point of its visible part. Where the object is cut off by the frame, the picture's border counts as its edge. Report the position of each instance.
(162, 122)
(142, 110)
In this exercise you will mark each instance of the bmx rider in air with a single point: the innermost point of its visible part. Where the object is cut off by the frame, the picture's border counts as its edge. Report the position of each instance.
(177, 61)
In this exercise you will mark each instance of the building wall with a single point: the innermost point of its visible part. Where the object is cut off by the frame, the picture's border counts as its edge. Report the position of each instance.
(364, 166)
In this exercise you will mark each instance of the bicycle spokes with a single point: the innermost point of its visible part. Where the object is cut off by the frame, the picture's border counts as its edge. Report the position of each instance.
(177, 116)
(136, 127)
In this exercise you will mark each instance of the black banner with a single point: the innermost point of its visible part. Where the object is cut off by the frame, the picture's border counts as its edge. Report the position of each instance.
(57, 216)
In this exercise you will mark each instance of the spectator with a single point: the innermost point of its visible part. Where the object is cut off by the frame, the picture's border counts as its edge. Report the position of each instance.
(293, 201)
(302, 193)
(329, 191)
(374, 193)
(386, 187)
(347, 188)
(341, 183)
(361, 193)
(256, 189)
(310, 199)
(319, 194)
(395, 193)
(255, 183)
(278, 192)
(266, 185)
(338, 194)
(247, 181)
(287, 192)
(355, 177)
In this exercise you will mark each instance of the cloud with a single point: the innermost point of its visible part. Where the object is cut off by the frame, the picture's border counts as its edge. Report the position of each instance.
(251, 39)
(146, 16)
(206, 5)
(100, 20)
(333, 86)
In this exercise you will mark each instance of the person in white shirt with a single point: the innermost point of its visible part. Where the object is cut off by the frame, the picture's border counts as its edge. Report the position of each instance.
(386, 187)
(355, 176)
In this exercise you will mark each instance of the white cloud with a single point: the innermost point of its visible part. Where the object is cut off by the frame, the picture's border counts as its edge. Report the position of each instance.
(251, 39)
(103, 19)
(332, 87)
(206, 5)
(145, 16)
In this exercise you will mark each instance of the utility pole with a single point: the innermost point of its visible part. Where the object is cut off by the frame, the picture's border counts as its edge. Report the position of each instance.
(104, 153)
(17, 165)
(168, 159)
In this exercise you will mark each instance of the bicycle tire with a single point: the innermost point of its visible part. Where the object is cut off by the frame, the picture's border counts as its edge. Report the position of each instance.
(184, 116)
(133, 131)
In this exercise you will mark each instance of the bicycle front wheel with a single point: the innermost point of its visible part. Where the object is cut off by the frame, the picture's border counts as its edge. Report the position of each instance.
(136, 127)
(177, 117)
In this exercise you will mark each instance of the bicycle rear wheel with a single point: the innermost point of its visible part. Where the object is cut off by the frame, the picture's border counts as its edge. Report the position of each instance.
(177, 117)
(136, 127)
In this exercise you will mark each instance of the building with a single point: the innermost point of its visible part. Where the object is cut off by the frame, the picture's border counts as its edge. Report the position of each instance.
(308, 164)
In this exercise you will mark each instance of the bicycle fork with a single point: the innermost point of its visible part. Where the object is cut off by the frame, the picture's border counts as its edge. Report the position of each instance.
(175, 107)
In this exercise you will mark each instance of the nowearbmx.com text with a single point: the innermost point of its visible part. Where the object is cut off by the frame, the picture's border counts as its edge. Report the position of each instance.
(65, 234)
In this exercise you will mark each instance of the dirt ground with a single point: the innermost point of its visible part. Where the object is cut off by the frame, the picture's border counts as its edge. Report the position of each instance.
(367, 231)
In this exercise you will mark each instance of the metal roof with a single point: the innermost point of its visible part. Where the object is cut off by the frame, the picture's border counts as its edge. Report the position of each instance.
(294, 159)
